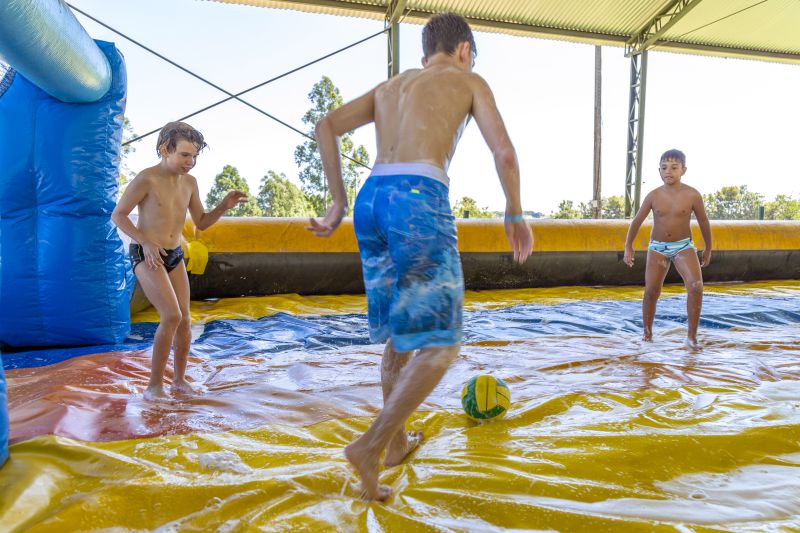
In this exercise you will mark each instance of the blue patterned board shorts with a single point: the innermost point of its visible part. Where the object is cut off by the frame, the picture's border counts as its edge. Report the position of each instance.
(409, 254)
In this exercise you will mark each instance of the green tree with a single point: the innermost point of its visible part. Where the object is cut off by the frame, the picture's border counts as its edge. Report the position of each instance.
(782, 208)
(125, 173)
(614, 207)
(566, 209)
(732, 203)
(468, 208)
(325, 97)
(279, 197)
(229, 180)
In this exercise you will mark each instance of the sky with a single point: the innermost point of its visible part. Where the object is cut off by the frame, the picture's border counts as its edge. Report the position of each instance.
(735, 119)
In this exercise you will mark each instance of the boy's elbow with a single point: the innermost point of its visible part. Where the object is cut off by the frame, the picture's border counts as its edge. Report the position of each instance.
(322, 127)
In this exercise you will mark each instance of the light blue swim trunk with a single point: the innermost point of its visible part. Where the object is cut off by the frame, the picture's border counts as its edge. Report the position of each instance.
(671, 249)
(409, 254)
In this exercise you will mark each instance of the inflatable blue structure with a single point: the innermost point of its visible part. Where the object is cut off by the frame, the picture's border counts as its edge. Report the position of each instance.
(65, 278)
(44, 42)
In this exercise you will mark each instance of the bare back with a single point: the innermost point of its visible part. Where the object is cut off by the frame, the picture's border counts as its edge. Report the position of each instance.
(162, 210)
(420, 114)
(672, 212)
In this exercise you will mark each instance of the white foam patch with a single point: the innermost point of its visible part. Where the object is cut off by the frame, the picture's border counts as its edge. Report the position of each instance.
(224, 461)
(784, 390)
(704, 400)
(756, 493)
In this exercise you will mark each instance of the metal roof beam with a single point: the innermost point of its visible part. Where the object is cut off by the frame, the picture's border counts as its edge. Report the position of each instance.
(395, 10)
(652, 32)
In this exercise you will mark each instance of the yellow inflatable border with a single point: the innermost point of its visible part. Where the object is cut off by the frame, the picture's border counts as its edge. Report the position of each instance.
(288, 235)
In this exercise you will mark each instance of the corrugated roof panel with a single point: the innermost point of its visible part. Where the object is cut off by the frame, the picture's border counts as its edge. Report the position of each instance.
(763, 29)
(375, 9)
(613, 17)
(770, 26)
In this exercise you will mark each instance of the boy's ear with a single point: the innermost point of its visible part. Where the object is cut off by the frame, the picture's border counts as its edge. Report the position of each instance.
(424, 61)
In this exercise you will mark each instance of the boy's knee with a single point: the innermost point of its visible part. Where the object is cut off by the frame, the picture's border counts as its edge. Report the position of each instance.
(652, 293)
(172, 318)
(695, 287)
(442, 357)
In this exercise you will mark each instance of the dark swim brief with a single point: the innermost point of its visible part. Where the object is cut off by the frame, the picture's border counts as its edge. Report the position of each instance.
(171, 260)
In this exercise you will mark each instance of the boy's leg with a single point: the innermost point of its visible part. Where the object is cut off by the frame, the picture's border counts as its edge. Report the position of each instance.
(403, 442)
(183, 335)
(419, 377)
(655, 272)
(688, 267)
(158, 289)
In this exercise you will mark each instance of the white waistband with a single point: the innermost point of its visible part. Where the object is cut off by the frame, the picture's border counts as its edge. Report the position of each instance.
(411, 169)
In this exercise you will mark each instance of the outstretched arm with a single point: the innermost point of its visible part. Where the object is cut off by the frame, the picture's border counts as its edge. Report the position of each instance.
(490, 123)
(203, 220)
(328, 131)
(705, 227)
(636, 223)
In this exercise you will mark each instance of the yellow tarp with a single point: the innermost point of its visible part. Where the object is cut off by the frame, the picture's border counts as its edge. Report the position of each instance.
(259, 306)
(694, 459)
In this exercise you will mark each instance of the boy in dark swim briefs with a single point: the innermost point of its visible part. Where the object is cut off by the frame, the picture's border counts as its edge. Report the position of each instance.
(163, 193)
(405, 228)
(672, 205)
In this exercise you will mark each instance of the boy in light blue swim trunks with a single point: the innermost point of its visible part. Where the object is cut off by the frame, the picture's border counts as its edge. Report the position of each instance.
(405, 228)
(672, 205)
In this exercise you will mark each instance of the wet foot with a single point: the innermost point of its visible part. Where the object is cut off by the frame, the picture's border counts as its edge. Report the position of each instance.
(647, 337)
(366, 464)
(401, 446)
(693, 345)
(182, 387)
(154, 394)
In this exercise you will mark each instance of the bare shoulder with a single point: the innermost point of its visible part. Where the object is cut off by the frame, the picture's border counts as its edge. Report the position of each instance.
(145, 177)
(691, 191)
(656, 193)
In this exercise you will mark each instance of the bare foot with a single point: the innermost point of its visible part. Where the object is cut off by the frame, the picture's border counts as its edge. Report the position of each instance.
(693, 345)
(647, 337)
(367, 466)
(154, 393)
(401, 446)
(182, 387)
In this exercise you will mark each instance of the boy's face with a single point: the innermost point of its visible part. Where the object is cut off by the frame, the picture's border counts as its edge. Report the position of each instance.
(671, 171)
(183, 159)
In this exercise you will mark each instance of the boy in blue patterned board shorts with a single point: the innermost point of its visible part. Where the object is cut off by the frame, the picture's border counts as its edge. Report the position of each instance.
(672, 205)
(405, 228)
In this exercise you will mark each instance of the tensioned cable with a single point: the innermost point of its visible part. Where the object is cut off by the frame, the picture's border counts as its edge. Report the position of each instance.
(232, 96)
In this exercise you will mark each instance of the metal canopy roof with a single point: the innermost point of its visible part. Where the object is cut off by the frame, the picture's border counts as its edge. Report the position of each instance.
(756, 29)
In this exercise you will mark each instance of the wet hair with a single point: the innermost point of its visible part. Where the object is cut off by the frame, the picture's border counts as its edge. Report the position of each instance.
(173, 132)
(444, 32)
(677, 155)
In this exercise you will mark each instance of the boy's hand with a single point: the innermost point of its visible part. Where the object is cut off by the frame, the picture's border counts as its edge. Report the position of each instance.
(152, 255)
(328, 224)
(706, 258)
(232, 199)
(628, 257)
(520, 238)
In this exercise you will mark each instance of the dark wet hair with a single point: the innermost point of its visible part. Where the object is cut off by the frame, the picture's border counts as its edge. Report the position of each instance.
(677, 155)
(444, 32)
(173, 132)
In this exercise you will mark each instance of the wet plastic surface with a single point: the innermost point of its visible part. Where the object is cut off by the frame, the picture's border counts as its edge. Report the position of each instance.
(605, 432)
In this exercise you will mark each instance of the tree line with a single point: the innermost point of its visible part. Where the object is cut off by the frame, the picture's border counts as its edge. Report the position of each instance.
(279, 196)
(734, 202)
